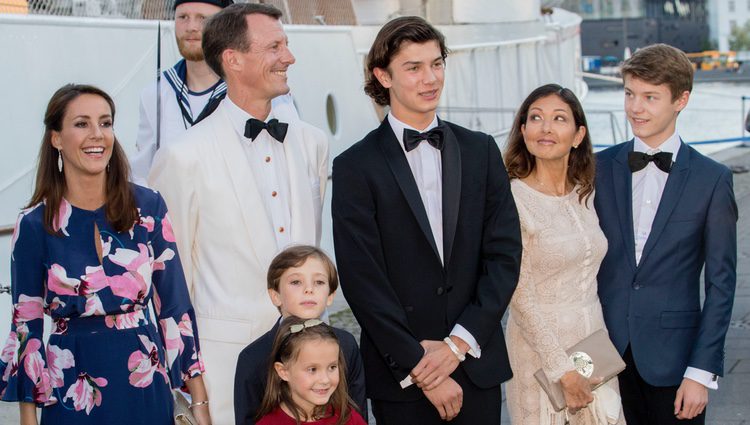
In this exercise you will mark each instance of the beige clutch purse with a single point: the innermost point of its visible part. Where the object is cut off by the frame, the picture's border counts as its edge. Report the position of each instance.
(595, 356)
(182, 413)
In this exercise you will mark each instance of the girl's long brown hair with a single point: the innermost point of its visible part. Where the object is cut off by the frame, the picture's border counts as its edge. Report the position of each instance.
(520, 162)
(50, 186)
(286, 349)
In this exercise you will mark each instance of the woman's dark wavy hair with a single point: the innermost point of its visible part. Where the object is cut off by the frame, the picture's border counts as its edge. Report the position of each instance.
(520, 162)
(387, 45)
(286, 349)
(50, 185)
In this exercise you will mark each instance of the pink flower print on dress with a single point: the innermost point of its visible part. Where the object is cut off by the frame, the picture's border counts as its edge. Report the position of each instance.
(157, 303)
(59, 282)
(127, 286)
(196, 368)
(94, 280)
(60, 223)
(186, 326)
(124, 320)
(93, 306)
(106, 246)
(85, 393)
(172, 339)
(33, 364)
(17, 229)
(61, 326)
(136, 262)
(165, 256)
(9, 356)
(10, 349)
(143, 365)
(56, 303)
(166, 229)
(28, 308)
(147, 222)
(57, 360)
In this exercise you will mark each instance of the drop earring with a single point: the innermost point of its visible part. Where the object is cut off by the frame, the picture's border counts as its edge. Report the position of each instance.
(59, 160)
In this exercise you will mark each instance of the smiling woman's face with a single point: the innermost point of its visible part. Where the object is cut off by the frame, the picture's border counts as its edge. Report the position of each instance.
(86, 138)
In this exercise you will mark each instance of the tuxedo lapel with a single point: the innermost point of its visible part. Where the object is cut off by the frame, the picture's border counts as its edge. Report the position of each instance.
(451, 163)
(300, 201)
(672, 192)
(399, 166)
(256, 221)
(622, 182)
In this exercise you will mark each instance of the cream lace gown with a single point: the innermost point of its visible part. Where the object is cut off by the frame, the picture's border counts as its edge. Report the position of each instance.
(555, 304)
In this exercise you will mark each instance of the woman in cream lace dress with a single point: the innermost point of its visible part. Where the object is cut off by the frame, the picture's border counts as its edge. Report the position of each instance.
(551, 164)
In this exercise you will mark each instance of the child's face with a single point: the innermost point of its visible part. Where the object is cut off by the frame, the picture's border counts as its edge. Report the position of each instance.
(303, 291)
(314, 375)
(650, 110)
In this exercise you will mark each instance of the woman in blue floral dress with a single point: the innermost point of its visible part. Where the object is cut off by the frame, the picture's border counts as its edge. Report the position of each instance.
(92, 251)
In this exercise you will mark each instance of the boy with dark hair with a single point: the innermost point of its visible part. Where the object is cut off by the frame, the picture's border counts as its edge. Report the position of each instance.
(428, 243)
(668, 212)
(302, 282)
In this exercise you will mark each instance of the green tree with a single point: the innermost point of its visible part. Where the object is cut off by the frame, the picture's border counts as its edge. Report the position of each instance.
(740, 37)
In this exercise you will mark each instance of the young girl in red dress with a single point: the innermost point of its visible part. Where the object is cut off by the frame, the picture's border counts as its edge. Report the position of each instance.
(306, 378)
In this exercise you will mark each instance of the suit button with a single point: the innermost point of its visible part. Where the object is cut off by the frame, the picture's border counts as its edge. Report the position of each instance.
(637, 286)
(389, 360)
(440, 290)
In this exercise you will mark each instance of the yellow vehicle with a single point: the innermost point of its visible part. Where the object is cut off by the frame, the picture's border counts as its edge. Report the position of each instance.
(713, 59)
(14, 6)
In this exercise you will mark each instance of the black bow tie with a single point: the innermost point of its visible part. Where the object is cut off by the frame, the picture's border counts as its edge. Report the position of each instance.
(638, 161)
(434, 137)
(275, 128)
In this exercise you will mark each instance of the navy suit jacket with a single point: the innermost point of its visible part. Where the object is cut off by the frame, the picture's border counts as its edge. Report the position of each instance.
(389, 265)
(252, 371)
(654, 306)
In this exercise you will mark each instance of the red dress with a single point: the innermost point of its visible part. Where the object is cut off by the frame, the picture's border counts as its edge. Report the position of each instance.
(279, 417)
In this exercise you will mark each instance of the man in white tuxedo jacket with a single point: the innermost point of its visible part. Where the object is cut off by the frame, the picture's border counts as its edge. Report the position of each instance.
(241, 186)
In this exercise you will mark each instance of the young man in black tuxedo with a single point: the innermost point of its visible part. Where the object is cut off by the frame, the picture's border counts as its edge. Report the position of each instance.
(427, 242)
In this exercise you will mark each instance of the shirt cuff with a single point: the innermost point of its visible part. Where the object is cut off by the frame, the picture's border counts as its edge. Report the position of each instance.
(406, 382)
(707, 379)
(461, 332)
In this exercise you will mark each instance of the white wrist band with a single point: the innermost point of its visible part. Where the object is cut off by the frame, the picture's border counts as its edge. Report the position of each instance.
(452, 345)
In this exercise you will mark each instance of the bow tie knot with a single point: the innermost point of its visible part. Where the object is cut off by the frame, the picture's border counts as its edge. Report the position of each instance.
(639, 160)
(275, 128)
(434, 137)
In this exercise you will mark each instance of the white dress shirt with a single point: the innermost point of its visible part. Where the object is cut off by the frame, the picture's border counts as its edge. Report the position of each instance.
(648, 187)
(267, 160)
(427, 169)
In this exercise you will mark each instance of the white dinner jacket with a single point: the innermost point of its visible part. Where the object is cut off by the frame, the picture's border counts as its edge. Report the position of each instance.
(224, 235)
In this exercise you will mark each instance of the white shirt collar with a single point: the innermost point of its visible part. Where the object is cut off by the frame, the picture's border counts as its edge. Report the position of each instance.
(399, 126)
(671, 145)
(239, 116)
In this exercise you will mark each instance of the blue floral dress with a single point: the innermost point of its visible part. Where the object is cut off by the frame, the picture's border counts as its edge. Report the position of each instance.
(105, 361)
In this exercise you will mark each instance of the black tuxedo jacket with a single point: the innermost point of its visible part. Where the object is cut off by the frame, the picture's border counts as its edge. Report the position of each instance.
(252, 371)
(390, 268)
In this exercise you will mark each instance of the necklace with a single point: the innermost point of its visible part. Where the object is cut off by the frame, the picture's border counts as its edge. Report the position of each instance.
(547, 190)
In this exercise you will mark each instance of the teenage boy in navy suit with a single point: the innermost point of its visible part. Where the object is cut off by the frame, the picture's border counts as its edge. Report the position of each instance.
(668, 212)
